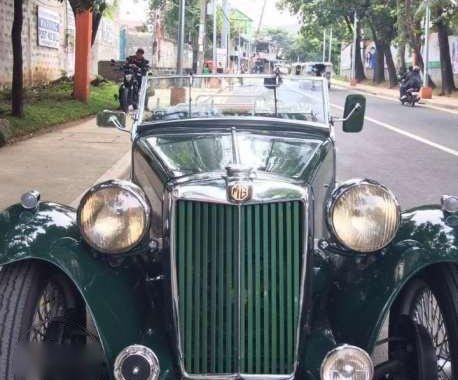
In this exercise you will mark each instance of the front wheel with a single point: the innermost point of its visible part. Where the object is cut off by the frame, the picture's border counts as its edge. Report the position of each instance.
(124, 99)
(432, 302)
(41, 313)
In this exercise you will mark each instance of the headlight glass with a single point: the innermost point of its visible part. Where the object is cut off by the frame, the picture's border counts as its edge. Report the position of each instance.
(347, 363)
(364, 216)
(114, 217)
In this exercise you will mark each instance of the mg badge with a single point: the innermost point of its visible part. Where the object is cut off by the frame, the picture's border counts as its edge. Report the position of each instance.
(239, 192)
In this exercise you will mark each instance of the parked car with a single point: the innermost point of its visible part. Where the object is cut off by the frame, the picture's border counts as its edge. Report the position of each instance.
(319, 69)
(231, 252)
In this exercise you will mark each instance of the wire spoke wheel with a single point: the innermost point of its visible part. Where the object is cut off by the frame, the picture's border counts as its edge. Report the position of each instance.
(429, 302)
(427, 312)
(50, 306)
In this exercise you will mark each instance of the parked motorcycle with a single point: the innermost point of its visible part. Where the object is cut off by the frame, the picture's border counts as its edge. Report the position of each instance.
(129, 89)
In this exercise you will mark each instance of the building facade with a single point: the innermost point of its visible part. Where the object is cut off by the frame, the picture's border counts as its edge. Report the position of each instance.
(48, 41)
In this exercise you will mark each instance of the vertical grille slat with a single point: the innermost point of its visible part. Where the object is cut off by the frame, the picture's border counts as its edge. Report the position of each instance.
(239, 275)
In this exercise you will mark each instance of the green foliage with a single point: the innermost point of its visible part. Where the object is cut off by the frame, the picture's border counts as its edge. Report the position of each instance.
(53, 104)
(170, 9)
(83, 5)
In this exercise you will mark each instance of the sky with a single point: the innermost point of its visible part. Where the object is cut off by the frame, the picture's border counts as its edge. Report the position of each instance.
(272, 17)
(134, 10)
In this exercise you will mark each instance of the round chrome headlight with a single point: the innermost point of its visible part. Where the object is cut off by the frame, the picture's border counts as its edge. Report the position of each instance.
(363, 215)
(114, 216)
(347, 362)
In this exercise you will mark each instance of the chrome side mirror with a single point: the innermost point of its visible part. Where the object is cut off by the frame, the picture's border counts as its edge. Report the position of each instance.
(115, 119)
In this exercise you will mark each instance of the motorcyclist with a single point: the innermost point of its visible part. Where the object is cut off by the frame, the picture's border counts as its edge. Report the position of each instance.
(138, 59)
(411, 80)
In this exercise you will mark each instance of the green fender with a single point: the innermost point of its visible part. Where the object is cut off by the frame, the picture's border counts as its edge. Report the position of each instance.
(50, 234)
(366, 287)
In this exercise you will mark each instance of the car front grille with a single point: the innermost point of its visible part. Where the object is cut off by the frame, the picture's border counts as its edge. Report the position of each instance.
(238, 285)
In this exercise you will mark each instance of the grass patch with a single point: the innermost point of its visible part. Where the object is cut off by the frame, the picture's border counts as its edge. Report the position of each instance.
(53, 104)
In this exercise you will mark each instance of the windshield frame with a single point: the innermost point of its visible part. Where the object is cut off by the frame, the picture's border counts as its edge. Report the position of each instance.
(138, 116)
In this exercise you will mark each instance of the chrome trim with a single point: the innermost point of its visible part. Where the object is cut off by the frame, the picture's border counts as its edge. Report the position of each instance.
(303, 195)
(136, 349)
(215, 191)
(346, 347)
(344, 187)
(449, 203)
(127, 186)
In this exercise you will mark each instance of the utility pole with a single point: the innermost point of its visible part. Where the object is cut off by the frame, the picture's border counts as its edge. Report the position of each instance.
(426, 91)
(330, 45)
(261, 18)
(225, 30)
(324, 45)
(181, 20)
(215, 31)
(355, 50)
(202, 36)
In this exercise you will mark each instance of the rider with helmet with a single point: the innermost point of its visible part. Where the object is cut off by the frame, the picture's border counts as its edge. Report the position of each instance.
(411, 80)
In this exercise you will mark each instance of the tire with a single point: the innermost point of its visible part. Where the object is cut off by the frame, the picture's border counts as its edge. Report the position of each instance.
(124, 99)
(438, 289)
(22, 288)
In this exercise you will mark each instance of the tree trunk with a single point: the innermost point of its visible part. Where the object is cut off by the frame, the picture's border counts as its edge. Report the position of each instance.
(379, 70)
(402, 57)
(359, 66)
(448, 83)
(393, 75)
(96, 19)
(17, 93)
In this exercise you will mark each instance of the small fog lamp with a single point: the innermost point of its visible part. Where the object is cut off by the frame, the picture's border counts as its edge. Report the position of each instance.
(347, 363)
(449, 203)
(136, 362)
(30, 200)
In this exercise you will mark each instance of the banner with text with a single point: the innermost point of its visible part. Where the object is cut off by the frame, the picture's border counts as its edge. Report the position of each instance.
(48, 28)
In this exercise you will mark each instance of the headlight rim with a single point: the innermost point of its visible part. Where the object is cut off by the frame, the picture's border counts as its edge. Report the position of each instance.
(133, 189)
(341, 189)
(342, 347)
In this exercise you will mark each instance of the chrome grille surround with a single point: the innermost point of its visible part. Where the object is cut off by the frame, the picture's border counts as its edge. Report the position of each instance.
(283, 192)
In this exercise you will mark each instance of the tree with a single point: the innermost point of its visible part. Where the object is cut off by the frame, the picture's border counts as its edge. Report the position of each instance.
(443, 13)
(168, 9)
(382, 20)
(320, 14)
(17, 91)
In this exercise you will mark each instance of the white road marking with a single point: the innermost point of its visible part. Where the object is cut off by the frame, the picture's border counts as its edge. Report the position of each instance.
(408, 134)
(421, 105)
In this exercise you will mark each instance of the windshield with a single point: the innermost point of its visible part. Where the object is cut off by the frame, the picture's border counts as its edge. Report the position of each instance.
(193, 153)
(296, 98)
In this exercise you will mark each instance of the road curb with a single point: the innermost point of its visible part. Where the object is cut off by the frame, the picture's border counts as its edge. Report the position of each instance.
(424, 102)
(120, 170)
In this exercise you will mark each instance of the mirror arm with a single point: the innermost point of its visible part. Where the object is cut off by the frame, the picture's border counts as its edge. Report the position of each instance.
(114, 120)
(355, 108)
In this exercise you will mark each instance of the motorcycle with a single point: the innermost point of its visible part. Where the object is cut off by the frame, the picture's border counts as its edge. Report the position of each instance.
(412, 97)
(129, 89)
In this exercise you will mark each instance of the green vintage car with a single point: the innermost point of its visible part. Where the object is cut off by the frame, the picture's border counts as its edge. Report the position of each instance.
(231, 252)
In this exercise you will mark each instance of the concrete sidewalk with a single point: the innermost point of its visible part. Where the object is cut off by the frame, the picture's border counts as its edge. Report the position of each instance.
(63, 163)
(448, 102)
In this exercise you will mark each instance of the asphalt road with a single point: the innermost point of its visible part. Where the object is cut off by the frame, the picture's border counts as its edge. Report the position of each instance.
(413, 151)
